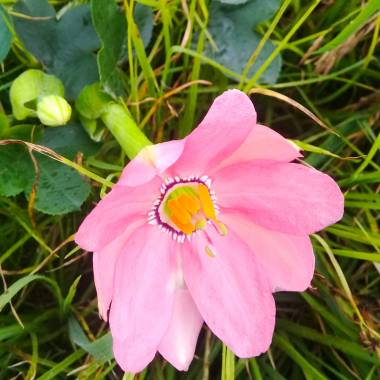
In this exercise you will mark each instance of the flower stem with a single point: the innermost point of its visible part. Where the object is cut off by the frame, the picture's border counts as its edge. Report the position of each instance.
(122, 126)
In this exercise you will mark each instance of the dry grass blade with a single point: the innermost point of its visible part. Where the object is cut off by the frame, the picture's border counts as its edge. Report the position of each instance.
(292, 102)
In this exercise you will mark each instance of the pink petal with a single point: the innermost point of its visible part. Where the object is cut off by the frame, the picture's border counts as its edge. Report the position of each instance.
(224, 128)
(104, 264)
(231, 292)
(179, 342)
(151, 161)
(285, 197)
(264, 143)
(288, 260)
(109, 219)
(143, 296)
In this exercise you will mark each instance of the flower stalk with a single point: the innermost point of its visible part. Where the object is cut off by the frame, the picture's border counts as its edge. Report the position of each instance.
(125, 130)
(98, 110)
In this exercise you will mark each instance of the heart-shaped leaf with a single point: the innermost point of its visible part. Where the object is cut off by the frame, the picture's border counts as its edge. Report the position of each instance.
(61, 189)
(16, 169)
(65, 47)
(232, 28)
(5, 33)
(111, 27)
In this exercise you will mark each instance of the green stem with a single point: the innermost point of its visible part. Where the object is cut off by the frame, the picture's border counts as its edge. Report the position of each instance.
(124, 129)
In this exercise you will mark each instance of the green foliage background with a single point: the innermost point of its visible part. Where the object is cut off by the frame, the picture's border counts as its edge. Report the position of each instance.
(313, 70)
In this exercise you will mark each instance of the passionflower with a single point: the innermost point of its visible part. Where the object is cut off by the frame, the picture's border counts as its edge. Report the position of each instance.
(205, 229)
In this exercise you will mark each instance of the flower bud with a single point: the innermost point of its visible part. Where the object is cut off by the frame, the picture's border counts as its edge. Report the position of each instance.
(53, 110)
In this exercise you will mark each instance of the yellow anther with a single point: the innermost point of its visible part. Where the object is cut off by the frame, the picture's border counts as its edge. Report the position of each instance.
(209, 251)
(206, 201)
(178, 211)
(187, 228)
(200, 224)
(222, 229)
(191, 203)
(190, 207)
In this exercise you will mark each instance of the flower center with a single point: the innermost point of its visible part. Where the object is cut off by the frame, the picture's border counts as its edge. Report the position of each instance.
(186, 206)
(189, 207)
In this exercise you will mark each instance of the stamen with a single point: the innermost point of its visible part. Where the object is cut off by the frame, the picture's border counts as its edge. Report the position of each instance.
(209, 251)
(200, 224)
(222, 229)
(207, 204)
(178, 211)
(185, 207)
(191, 203)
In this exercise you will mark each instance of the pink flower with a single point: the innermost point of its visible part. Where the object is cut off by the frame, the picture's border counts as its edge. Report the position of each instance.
(206, 229)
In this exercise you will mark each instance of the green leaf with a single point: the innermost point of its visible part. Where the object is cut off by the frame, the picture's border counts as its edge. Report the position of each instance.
(71, 294)
(5, 34)
(75, 61)
(101, 349)
(144, 21)
(92, 101)
(290, 350)
(349, 347)
(61, 189)
(93, 127)
(143, 16)
(33, 33)
(91, 104)
(367, 11)
(232, 28)
(62, 366)
(228, 364)
(4, 125)
(22, 132)
(16, 169)
(315, 149)
(26, 89)
(110, 25)
(234, 2)
(65, 46)
(15, 288)
(68, 140)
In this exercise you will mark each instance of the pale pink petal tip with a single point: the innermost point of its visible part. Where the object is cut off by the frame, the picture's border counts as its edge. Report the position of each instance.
(288, 260)
(143, 297)
(179, 342)
(129, 358)
(226, 125)
(231, 292)
(151, 161)
(264, 143)
(285, 197)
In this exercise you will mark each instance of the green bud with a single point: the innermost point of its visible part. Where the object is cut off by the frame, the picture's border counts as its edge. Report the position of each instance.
(53, 110)
(30, 86)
